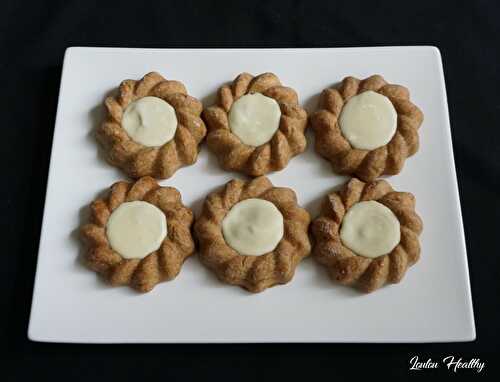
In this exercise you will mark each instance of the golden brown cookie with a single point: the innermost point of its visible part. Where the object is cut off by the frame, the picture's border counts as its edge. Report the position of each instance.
(366, 164)
(136, 159)
(288, 140)
(160, 265)
(342, 263)
(255, 273)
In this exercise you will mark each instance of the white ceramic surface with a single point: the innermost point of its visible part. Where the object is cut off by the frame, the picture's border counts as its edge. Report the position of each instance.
(71, 304)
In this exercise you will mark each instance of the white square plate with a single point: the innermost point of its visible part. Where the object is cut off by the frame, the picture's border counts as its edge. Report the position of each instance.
(71, 304)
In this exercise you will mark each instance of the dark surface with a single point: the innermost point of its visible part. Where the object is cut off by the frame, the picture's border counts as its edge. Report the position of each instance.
(33, 38)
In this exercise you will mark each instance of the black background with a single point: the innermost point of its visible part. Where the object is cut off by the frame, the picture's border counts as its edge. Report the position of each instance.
(33, 37)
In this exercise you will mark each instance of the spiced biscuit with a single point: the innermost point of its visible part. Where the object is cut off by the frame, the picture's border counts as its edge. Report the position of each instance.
(139, 235)
(152, 127)
(256, 126)
(253, 234)
(366, 128)
(386, 233)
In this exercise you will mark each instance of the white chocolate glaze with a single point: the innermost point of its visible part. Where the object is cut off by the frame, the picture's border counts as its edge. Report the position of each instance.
(254, 118)
(370, 229)
(253, 227)
(368, 120)
(150, 121)
(135, 229)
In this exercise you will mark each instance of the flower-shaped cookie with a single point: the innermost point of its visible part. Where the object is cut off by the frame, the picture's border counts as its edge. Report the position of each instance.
(152, 128)
(277, 263)
(242, 114)
(350, 268)
(346, 147)
(127, 220)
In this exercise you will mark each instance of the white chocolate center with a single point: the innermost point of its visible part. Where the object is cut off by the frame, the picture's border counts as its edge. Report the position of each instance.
(368, 120)
(135, 229)
(370, 229)
(253, 227)
(150, 121)
(254, 118)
